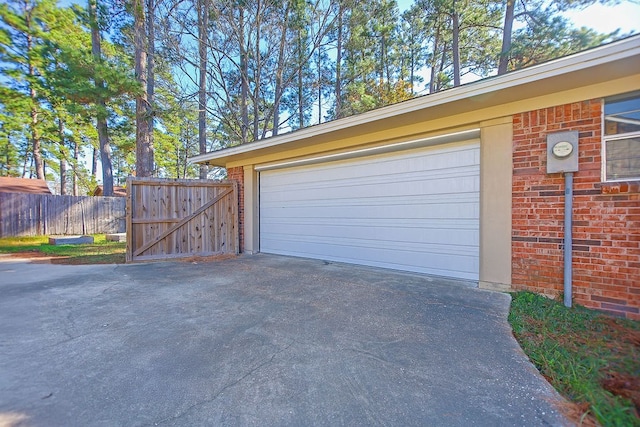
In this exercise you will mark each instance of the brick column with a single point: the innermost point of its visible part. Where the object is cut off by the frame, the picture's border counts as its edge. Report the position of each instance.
(237, 174)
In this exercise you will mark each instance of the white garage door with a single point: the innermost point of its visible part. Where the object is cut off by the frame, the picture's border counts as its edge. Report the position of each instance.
(415, 210)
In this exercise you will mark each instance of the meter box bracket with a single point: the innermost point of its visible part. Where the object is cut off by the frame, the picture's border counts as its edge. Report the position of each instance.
(562, 152)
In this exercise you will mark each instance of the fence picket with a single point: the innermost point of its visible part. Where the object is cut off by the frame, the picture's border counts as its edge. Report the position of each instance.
(23, 214)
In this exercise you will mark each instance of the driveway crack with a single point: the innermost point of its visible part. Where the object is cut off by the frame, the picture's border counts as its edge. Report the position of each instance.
(228, 386)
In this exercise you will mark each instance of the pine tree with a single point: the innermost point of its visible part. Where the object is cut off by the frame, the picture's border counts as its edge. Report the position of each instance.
(144, 114)
(22, 24)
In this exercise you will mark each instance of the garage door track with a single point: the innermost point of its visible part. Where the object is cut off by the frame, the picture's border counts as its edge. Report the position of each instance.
(258, 340)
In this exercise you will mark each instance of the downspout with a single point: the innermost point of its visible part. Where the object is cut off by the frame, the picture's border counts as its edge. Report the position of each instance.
(568, 237)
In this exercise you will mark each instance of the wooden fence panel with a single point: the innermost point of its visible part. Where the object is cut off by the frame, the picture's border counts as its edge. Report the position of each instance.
(23, 214)
(172, 218)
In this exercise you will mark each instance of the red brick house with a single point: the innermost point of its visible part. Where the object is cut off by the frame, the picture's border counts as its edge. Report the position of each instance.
(463, 183)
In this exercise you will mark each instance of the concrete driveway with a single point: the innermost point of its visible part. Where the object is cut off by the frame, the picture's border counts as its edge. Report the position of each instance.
(258, 340)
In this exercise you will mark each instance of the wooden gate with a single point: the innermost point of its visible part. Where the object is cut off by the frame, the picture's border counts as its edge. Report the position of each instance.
(169, 218)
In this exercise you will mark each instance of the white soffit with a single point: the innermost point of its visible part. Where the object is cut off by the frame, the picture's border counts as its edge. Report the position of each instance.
(405, 145)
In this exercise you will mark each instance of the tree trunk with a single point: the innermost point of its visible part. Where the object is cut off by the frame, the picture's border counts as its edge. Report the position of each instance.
(386, 63)
(434, 70)
(319, 64)
(412, 65)
(63, 158)
(456, 45)
(151, 66)
(301, 105)
(280, 71)
(7, 161)
(101, 116)
(258, 71)
(27, 159)
(35, 135)
(442, 62)
(35, 140)
(244, 76)
(203, 25)
(338, 85)
(76, 158)
(506, 37)
(94, 163)
(144, 145)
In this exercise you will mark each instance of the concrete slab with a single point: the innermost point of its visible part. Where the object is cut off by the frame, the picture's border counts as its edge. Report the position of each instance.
(70, 240)
(116, 237)
(259, 340)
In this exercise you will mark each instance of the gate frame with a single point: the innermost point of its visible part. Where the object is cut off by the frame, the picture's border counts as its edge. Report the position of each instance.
(135, 254)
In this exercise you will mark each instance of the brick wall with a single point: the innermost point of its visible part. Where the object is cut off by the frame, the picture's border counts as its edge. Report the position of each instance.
(606, 233)
(237, 174)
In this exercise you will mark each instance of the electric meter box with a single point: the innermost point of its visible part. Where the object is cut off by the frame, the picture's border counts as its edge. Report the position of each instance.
(562, 152)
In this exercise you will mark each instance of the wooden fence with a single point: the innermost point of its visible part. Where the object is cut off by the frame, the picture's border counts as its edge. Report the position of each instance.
(24, 214)
(180, 218)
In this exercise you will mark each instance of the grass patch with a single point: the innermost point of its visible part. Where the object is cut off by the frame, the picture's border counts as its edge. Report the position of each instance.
(100, 252)
(592, 359)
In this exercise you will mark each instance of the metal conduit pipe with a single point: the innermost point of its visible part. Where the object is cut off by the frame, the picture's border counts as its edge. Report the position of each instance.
(568, 237)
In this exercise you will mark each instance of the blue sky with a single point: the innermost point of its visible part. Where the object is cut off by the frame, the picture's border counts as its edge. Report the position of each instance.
(624, 16)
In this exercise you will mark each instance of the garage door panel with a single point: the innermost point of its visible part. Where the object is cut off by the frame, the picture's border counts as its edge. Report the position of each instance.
(439, 162)
(383, 235)
(364, 249)
(389, 212)
(425, 183)
(435, 224)
(441, 187)
(443, 261)
(329, 199)
(416, 211)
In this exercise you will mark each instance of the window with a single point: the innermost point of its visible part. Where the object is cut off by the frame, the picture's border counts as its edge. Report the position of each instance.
(622, 137)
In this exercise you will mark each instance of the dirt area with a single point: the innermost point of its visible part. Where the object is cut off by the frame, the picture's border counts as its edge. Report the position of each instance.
(41, 258)
(38, 257)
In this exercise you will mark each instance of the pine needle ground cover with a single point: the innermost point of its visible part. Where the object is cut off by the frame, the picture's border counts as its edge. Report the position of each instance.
(100, 252)
(592, 359)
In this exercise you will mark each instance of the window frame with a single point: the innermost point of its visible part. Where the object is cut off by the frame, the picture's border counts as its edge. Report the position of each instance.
(614, 137)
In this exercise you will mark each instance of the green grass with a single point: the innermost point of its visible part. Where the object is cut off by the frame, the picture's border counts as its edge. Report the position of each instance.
(592, 359)
(100, 252)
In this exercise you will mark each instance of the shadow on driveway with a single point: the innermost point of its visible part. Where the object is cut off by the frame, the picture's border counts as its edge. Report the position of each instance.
(258, 340)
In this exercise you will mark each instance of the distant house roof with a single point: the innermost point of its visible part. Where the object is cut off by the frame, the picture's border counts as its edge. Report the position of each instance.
(117, 191)
(23, 185)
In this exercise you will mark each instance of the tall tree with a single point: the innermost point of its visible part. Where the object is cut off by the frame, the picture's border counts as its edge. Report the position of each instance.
(203, 31)
(280, 68)
(337, 93)
(151, 72)
(22, 25)
(507, 34)
(144, 142)
(413, 53)
(83, 77)
(455, 43)
(12, 124)
(101, 110)
(543, 29)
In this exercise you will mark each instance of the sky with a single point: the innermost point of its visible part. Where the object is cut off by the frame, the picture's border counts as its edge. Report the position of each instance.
(605, 19)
